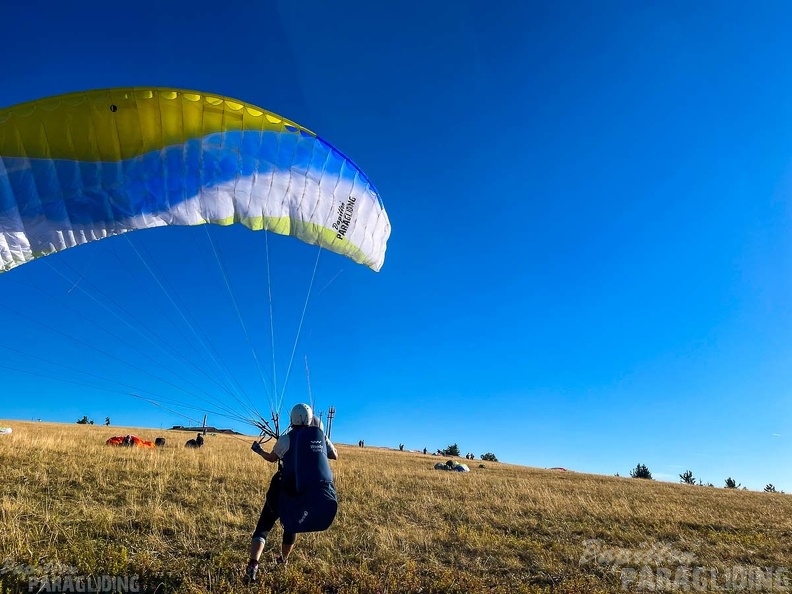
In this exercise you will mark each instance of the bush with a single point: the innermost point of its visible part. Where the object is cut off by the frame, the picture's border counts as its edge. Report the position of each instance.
(489, 457)
(687, 478)
(641, 472)
(731, 483)
(452, 450)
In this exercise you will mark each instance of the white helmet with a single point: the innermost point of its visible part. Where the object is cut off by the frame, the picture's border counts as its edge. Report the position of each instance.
(301, 414)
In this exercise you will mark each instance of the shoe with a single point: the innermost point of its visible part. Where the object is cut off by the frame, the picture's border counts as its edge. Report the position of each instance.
(281, 561)
(251, 573)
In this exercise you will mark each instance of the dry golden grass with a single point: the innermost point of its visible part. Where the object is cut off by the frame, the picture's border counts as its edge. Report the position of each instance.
(185, 517)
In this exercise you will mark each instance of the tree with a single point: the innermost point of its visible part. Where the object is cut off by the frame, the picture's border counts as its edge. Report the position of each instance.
(84, 420)
(731, 483)
(687, 478)
(641, 471)
(452, 450)
(489, 457)
(107, 421)
(770, 488)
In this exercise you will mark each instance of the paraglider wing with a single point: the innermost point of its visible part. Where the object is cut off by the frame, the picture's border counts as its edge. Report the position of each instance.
(84, 166)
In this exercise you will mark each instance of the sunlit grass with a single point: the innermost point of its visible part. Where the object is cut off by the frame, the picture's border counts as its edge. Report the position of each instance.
(186, 516)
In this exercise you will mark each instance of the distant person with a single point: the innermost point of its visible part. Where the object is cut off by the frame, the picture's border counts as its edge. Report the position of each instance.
(303, 483)
(195, 443)
(401, 447)
(424, 451)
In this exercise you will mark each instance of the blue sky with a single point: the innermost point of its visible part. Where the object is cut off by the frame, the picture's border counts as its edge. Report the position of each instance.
(591, 250)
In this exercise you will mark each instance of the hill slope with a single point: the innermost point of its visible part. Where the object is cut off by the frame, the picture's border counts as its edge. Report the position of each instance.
(184, 517)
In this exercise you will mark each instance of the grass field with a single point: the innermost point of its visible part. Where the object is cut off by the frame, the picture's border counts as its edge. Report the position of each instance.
(182, 518)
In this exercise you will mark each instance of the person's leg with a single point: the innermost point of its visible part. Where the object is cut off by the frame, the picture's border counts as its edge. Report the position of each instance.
(257, 547)
(265, 524)
(266, 521)
(286, 551)
(257, 543)
(289, 538)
